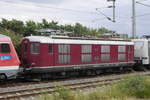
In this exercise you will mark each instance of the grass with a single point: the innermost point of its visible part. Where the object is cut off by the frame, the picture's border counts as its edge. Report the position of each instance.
(130, 88)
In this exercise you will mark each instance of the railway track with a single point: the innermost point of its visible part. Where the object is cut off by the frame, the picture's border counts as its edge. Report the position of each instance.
(44, 88)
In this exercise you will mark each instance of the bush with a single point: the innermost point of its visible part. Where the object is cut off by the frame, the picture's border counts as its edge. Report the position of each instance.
(63, 93)
(136, 86)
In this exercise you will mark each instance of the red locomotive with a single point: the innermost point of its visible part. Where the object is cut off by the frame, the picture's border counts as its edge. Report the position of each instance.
(9, 62)
(42, 56)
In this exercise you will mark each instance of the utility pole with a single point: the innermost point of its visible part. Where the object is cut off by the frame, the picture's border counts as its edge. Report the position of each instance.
(134, 35)
(114, 10)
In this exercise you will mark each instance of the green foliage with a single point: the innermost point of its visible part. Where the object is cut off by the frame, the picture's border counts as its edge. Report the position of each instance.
(129, 87)
(46, 97)
(13, 25)
(63, 93)
(16, 38)
(29, 27)
(69, 28)
(136, 86)
(103, 30)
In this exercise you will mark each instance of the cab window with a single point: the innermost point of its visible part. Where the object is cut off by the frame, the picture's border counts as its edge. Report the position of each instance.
(50, 48)
(35, 48)
(4, 48)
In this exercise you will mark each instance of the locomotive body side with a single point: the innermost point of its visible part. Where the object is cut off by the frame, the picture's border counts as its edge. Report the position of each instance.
(45, 55)
(9, 62)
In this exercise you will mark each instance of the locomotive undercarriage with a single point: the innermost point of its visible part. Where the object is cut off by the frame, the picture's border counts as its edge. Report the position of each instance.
(74, 71)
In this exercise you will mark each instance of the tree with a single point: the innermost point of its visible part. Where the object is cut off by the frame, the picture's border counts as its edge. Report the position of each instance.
(16, 38)
(4, 24)
(103, 30)
(30, 28)
(45, 23)
(54, 25)
(68, 28)
(78, 29)
(94, 32)
(16, 26)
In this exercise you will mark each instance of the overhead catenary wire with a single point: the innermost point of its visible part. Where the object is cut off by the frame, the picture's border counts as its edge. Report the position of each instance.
(98, 19)
(65, 9)
(141, 0)
(80, 11)
(103, 14)
(142, 4)
(57, 8)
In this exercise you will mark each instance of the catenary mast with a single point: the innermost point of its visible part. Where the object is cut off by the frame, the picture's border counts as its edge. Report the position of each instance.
(134, 35)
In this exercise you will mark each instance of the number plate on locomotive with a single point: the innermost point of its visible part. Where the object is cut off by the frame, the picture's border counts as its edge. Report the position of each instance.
(5, 58)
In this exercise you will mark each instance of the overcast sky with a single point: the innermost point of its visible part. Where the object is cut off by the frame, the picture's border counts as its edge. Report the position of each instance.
(82, 11)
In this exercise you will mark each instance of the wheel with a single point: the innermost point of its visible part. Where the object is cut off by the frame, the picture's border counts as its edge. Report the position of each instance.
(3, 77)
(98, 72)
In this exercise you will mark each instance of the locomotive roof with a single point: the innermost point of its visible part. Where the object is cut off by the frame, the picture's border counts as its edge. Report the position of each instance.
(4, 38)
(44, 39)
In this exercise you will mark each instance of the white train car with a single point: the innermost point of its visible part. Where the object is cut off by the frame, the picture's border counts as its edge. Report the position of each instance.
(142, 51)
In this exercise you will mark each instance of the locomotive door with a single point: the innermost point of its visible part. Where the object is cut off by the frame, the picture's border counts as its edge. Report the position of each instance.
(51, 54)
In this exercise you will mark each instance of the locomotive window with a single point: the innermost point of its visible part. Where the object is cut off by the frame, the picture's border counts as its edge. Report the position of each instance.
(65, 48)
(86, 58)
(105, 49)
(64, 59)
(64, 54)
(86, 48)
(35, 48)
(105, 57)
(96, 58)
(129, 49)
(50, 48)
(121, 57)
(5, 48)
(121, 49)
